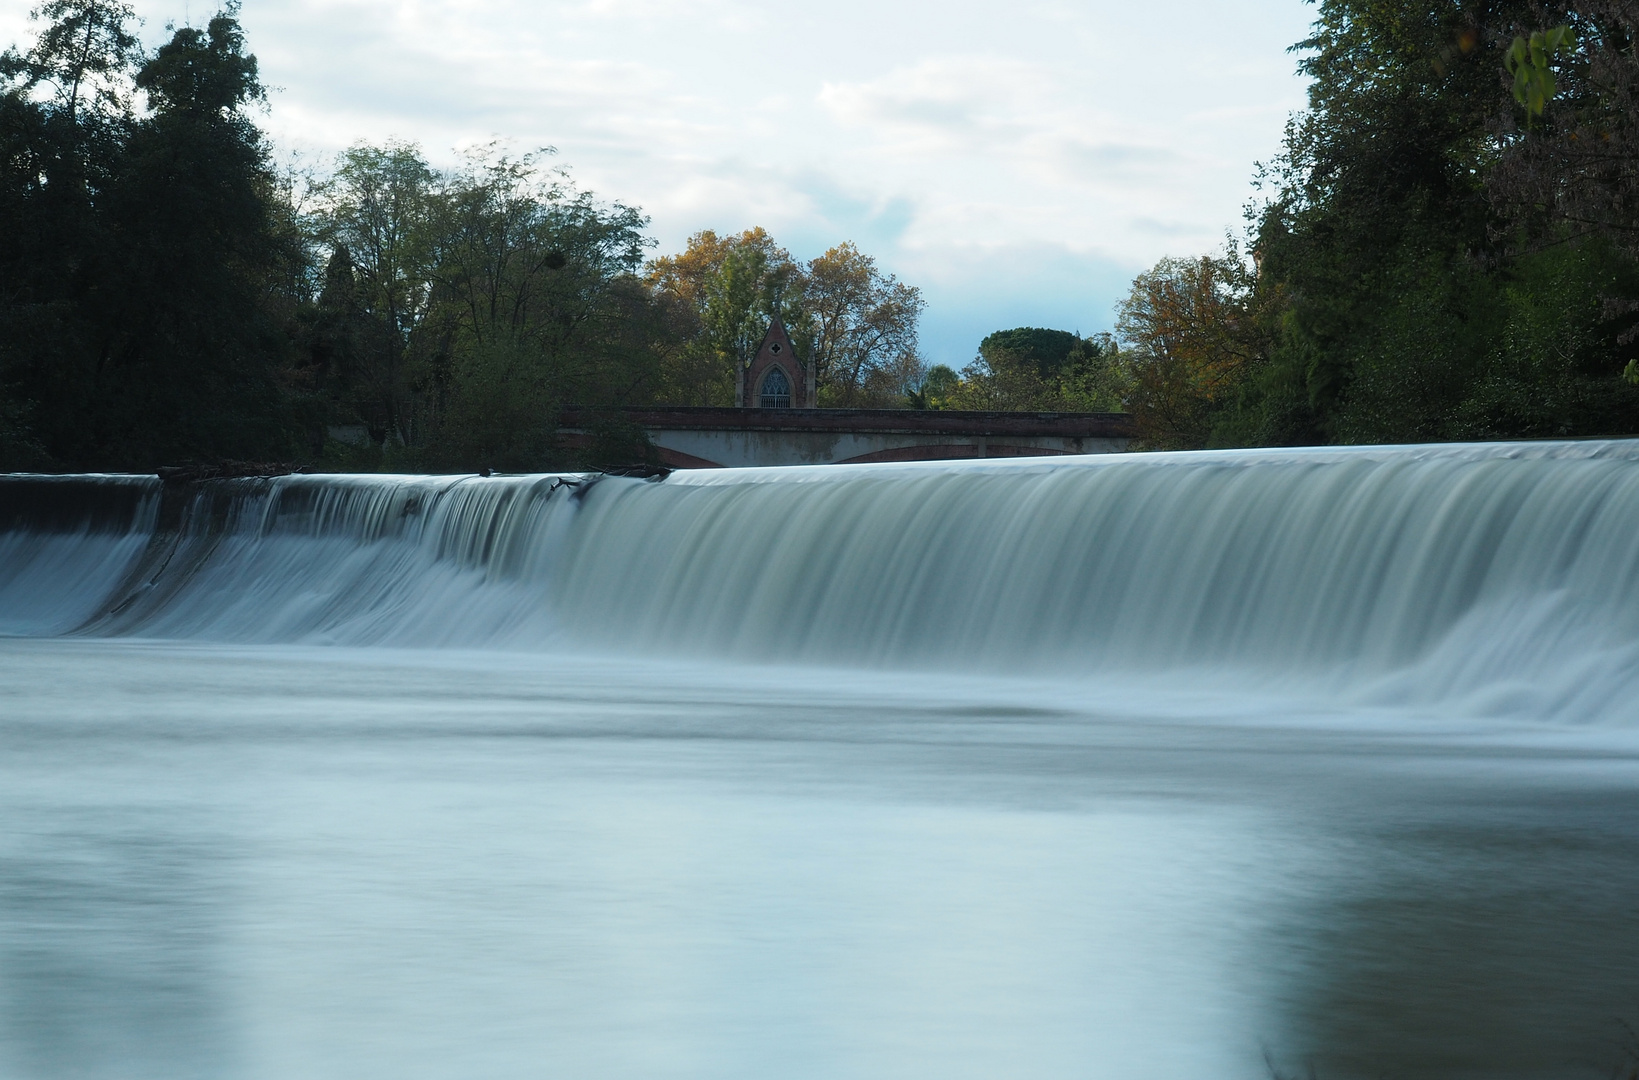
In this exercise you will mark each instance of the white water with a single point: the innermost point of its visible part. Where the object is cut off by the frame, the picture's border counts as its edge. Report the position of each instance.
(1113, 767)
(1502, 580)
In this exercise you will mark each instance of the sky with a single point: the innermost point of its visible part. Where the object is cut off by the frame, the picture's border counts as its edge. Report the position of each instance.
(1018, 162)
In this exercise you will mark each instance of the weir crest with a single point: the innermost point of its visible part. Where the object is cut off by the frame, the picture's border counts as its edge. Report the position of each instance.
(1504, 576)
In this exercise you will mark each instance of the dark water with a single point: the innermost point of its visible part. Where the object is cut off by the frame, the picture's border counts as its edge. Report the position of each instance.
(286, 861)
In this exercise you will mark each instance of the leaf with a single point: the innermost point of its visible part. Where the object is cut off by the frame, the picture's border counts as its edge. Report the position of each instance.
(1515, 57)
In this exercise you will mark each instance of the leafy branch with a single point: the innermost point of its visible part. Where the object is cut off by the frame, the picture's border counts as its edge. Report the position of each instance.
(1530, 61)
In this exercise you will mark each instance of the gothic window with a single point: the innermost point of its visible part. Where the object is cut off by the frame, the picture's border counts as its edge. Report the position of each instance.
(776, 392)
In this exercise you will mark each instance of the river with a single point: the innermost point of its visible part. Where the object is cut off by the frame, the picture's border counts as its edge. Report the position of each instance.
(1155, 766)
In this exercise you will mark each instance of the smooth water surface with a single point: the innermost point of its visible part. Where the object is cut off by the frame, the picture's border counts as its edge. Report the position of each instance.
(1153, 766)
(280, 861)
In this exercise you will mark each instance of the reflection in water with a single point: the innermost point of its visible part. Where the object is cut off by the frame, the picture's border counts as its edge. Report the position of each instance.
(1503, 942)
(283, 862)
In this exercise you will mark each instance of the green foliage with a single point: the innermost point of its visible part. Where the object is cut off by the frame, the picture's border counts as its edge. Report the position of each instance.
(1554, 368)
(1030, 369)
(167, 295)
(1528, 60)
(460, 310)
(204, 72)
(1381, 175)
(1045, 350)
(859, 331)
(1429, 338)
(85, 53)
(374, 215)
(717, 297)
(937, 388)
(1424, 271)
(853, 326)
(141, 298)
(1194, 330)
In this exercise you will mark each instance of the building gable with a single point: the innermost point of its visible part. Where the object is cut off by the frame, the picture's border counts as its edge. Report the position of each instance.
(775, 352)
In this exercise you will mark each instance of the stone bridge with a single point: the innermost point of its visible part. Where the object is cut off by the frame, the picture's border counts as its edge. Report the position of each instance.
(711, 438)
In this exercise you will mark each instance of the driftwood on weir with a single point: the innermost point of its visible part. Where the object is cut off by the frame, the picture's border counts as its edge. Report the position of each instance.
(195, 471)
(639, 472)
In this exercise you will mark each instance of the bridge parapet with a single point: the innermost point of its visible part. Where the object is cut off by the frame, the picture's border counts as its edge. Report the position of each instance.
(705, 438)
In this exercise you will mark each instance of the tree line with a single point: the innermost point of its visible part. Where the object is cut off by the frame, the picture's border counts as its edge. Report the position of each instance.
(1444, 249)
(167, 294)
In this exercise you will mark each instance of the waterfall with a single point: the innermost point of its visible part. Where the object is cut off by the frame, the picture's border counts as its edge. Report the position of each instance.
(1422, 572)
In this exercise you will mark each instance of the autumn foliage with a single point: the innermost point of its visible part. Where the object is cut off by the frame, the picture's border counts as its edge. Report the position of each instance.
(855, 325)
(1191, 336)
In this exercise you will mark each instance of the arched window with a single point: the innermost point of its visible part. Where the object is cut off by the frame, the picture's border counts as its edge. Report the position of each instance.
(776, 392)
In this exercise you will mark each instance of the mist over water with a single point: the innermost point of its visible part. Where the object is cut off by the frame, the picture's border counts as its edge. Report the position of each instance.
(1128, 766)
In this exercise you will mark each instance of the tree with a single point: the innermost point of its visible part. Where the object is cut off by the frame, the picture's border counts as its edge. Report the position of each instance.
(1033, 369)
(852, 324)
(1571, 169)
(1389, 267)
(86, 54)
(192, 350)
(938, 386)
(166, 294)
(142, 296)
(536, 304)
(1045, 351)
(1378, 190)
(721, 292)
(1444, 250)
(1191, 337)
(376, 214)
(57, 155)
(862, 330)
(462, 308)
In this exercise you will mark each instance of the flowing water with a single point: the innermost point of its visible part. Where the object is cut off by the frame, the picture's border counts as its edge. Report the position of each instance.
(1193, 765)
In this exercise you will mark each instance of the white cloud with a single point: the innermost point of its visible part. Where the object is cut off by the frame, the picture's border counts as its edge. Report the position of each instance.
(1019, 162)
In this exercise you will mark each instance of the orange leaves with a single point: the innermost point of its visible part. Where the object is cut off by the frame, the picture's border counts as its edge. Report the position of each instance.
(1190, 334)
